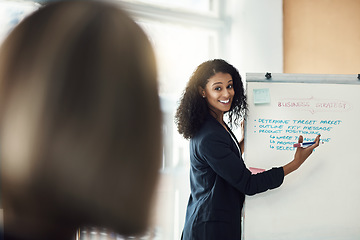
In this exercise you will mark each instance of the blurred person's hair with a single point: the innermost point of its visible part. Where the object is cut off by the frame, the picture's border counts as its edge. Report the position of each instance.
(80, 121)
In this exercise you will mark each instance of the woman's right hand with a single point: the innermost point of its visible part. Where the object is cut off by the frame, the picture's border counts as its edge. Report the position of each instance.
(301, 155)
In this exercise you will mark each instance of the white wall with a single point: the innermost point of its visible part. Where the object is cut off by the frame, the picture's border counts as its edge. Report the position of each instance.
(256, 37)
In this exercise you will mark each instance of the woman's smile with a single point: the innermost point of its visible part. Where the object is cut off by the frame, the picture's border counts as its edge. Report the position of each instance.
(225, 101)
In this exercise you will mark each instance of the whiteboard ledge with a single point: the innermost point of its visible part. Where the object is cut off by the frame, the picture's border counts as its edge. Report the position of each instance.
(304, 78)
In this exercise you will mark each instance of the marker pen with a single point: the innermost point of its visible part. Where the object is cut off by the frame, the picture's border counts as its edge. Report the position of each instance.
(304, 144)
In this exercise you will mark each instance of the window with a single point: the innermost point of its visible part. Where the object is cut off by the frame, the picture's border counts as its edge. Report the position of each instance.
(206, 7)
(183, 34)
(11, 13)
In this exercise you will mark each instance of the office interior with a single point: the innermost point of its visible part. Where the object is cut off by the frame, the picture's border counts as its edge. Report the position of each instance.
(278, 36)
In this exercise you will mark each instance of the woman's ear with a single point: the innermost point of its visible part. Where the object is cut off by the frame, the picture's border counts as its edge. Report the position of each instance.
(201, 92)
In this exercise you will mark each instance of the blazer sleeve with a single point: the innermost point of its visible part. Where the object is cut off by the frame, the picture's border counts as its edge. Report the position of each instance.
(231, 167)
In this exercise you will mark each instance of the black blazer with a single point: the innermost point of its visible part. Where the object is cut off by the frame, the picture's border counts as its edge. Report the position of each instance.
(219, 181)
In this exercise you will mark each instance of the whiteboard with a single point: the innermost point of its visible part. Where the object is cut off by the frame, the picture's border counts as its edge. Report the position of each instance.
(321, 200)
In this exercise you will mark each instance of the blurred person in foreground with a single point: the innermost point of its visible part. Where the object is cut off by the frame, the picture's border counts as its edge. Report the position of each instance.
(80, 123)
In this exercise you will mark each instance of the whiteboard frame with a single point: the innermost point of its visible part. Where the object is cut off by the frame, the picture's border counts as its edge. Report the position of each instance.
(340, 79)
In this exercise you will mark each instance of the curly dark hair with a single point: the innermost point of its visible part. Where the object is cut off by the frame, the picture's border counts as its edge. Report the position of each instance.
(193, 109)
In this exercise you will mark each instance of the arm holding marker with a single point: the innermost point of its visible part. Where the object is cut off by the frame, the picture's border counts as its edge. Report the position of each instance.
(301, 155)
(305, 144)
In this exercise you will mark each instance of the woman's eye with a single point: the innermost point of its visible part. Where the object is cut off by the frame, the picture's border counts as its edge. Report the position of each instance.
(230, 86)
(218, 88)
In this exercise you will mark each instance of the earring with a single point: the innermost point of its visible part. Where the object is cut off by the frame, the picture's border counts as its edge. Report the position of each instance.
(203, 96)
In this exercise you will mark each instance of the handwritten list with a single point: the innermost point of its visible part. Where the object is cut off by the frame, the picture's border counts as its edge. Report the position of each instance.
(283, 133)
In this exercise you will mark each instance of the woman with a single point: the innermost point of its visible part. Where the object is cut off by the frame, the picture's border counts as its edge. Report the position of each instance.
(218, 176)
(77, 80)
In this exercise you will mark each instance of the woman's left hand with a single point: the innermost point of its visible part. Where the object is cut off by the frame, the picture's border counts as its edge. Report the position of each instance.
(242, 138)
